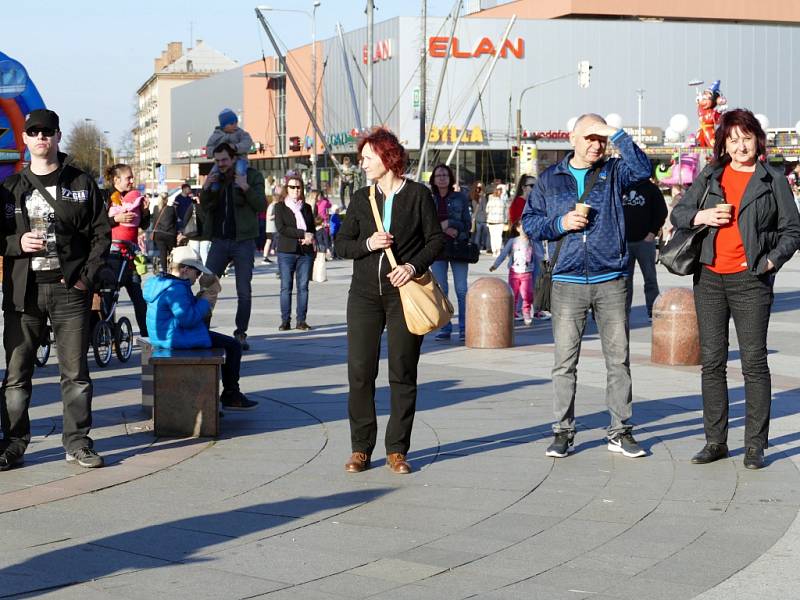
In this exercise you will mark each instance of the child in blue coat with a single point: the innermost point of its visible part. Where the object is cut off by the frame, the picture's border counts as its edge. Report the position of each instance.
(176, 318)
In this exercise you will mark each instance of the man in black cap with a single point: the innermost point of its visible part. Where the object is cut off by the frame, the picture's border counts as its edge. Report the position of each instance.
(55, 238)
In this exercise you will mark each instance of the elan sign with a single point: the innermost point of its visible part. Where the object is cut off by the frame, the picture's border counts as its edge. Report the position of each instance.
(382, 50)
(437, 48)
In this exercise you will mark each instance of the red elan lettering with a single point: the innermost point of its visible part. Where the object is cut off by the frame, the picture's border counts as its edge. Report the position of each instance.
(437, 48)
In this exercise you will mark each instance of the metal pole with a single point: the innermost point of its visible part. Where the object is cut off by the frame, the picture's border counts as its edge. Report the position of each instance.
(370, 7)
(640, 94)
(480, 91)
(356, 112)
(423, 76)
(518, 167)
(291, 78)
(423, 154)
(314, 92)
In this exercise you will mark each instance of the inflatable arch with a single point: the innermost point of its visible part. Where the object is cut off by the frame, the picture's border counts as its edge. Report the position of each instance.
(18, 97)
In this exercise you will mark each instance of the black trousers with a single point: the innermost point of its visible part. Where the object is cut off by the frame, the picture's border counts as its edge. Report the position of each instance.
(69, 311)
(748, 299)
(367, 315)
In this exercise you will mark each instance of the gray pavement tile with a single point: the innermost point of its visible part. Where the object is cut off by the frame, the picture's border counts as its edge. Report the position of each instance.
(84, 591)
(460, 583)
(348, 585)
(417, 518)
(283, 561)
(438, 557)
(600, 559)
(184, 582)
(616, 510)
(416, 592)
(552, 502)
(469, 543)
(334, 535)
(568, 578)
(397, 570)
(297, 592)
(510, 527)
(637, 588)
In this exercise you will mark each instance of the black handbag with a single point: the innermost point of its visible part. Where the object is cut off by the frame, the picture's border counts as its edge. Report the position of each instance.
(191, 228)
(681, 254)
(461, 251)
(543, 285)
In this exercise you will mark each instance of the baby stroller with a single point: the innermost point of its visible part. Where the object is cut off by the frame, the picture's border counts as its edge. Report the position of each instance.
(110, 334)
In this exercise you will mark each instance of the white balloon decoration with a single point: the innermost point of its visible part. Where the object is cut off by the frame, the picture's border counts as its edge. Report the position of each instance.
(670, 135)
(763, 120)
(571, 124)
(614, 120)
(679, 123)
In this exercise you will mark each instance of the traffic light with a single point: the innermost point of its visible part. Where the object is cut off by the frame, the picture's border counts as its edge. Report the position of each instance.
(294, 143)
(583, 73)
(514, 151)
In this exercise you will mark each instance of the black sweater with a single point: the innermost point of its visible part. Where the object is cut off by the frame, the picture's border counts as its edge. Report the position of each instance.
(645, 210)
(418, 237)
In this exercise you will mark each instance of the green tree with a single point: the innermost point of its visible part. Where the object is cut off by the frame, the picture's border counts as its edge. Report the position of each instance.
(84, 143)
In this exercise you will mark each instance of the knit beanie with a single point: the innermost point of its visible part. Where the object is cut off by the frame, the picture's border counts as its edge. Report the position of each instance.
(227, 117)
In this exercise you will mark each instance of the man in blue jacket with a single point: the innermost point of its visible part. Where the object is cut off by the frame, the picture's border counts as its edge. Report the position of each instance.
(589, 270)
(176, 318)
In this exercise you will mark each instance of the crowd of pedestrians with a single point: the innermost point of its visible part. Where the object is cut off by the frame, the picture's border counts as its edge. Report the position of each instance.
(594, 215)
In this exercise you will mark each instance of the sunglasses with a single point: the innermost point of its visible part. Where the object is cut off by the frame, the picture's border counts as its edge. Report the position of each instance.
(45, 131)
(295, 187)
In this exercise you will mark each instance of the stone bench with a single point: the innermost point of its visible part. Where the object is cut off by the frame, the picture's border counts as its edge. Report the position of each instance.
(181, 389)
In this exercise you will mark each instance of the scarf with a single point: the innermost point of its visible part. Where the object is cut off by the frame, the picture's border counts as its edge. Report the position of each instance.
(297, 208)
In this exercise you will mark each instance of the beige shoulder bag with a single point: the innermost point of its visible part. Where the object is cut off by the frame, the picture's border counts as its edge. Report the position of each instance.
(425, 306)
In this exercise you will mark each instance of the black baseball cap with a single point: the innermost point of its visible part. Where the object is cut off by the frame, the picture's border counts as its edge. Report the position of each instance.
(42, 117)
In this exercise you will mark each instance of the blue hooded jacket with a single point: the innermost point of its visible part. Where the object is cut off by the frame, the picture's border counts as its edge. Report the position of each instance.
(601, 253)
(174, 315)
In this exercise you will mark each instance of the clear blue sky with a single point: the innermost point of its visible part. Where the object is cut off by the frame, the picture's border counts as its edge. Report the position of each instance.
(88, 57)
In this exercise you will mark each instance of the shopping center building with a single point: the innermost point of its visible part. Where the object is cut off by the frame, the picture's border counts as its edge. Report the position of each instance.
(640, 65)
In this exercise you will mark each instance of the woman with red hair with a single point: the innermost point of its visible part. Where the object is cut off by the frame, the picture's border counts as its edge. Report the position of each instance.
(753, 229)
(413, 232)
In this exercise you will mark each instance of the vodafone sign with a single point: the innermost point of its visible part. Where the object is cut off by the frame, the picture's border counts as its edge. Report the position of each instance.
(437, 48)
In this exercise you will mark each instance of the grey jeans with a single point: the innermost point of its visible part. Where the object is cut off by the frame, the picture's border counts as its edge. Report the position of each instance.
(645, 254)
(570, 303)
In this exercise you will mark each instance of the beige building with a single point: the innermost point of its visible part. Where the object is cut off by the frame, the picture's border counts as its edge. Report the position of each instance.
(172, 69)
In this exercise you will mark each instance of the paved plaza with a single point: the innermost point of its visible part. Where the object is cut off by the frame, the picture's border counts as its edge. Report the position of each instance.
(267, 510)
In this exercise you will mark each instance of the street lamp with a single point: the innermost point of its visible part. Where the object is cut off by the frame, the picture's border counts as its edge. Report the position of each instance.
(102, 144)
(312, 14)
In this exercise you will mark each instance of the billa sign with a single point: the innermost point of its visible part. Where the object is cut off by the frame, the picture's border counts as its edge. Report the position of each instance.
(437, 48)
(449, 134)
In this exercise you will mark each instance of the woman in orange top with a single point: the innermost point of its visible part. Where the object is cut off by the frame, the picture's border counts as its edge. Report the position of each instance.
(753, 229)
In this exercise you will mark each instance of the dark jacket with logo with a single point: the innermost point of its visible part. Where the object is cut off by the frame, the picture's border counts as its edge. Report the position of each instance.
(83, 234)
(645, 210)
(290, 233)
(418, 237)
(768, 220)
(600, 249)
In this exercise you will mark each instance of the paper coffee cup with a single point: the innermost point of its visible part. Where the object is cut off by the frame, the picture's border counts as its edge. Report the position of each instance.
(583, 208)
(725, 206)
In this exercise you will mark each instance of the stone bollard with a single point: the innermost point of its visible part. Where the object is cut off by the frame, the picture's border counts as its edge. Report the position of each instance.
(490, 314)
(676, 339)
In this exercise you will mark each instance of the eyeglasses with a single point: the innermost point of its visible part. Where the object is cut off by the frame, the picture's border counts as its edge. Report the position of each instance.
(45, 131)
(295, 187)
(527, 185)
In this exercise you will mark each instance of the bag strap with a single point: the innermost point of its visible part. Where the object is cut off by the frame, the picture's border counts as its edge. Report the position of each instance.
(586, 190)
(35, 182)
(379, 225)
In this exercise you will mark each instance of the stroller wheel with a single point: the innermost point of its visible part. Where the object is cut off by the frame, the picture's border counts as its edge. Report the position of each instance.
(102, 343)
(123, 341)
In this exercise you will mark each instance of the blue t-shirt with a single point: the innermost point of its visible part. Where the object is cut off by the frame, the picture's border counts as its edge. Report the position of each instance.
(387, 212)
(580, 178)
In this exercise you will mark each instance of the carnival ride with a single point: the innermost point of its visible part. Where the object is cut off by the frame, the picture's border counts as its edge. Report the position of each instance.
(18, 97)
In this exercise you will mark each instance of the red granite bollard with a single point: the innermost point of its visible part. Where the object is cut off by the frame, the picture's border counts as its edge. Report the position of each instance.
(490, 314)
(676, 339)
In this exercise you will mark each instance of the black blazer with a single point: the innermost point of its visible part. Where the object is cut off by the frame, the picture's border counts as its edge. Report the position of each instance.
(418, 237)
(290, 235)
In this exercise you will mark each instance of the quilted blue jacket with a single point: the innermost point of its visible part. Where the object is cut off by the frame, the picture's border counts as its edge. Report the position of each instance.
(174, 315)
(600, 249)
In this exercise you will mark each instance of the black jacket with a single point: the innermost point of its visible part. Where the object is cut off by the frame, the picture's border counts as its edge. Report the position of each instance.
(645, 210)
(290, 234)
(83, 235)
(768, 220)
(418, 237)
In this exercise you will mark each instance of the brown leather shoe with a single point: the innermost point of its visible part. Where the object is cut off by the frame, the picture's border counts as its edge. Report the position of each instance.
(397, 463)
(359, 461)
